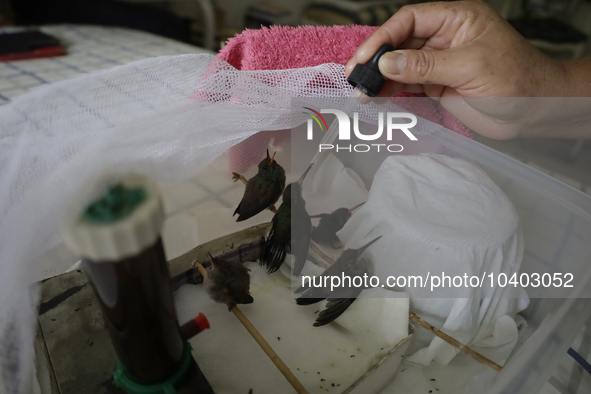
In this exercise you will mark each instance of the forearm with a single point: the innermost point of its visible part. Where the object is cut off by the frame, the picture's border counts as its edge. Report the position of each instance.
(526, 117)
(579, 76)
(567, 112)
(559, 117)
(557, 104)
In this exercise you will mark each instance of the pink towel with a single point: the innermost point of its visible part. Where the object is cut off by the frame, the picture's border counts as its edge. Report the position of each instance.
(285, 47)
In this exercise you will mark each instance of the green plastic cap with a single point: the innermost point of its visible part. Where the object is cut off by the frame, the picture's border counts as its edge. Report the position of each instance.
(122, 223)
(116, 204)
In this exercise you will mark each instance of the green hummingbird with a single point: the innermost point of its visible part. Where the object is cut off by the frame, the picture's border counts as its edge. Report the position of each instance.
(340, 298)
(330, 224)
(291, 226)
(262, 190)
(228, 282)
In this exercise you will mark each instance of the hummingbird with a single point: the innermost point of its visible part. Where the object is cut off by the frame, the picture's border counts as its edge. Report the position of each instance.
(349, 264)
(291, 215)
(228, 282)
(330, 224)
(262, 190)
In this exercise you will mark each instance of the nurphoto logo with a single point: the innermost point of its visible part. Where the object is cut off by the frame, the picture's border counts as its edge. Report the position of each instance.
(344, 124)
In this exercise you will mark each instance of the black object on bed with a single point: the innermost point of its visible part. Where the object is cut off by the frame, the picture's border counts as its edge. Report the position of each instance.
(101, 12)
(25, 41)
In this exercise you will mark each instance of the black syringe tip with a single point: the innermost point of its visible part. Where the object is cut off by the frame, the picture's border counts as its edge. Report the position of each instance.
(367, 77)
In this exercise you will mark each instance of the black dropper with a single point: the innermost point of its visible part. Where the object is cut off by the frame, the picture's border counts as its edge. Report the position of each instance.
(367, 77)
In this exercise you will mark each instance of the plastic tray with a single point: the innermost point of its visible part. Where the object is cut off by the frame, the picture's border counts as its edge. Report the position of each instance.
(556, 222)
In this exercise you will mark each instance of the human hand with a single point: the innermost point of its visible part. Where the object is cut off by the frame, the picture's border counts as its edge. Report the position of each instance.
(463, 54)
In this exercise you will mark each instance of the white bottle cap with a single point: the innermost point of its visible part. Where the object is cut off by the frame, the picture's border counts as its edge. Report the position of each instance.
(115, 234)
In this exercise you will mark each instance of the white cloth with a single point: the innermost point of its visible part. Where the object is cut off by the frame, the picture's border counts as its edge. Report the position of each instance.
(439, 214)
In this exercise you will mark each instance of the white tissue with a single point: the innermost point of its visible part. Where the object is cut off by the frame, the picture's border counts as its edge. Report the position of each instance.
(441, 214)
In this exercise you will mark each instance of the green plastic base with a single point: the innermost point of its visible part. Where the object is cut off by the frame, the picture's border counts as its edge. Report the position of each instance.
(166, 387)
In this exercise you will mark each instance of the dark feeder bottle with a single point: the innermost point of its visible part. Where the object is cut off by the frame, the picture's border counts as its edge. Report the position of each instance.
(119, 239)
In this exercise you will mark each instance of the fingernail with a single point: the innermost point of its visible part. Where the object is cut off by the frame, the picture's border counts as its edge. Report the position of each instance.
(393, 63)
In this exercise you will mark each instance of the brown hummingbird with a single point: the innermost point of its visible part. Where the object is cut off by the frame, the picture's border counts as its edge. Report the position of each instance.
(330, 224)
(262, 190)
(339, 299)
(228, 282)
(291, 227)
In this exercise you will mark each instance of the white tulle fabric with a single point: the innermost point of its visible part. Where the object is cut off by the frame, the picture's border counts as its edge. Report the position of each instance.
(166, 118)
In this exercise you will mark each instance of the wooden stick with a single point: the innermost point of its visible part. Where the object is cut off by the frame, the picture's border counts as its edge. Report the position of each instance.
(477, 356)
(269, 351)
(321, 253)
(262, 343)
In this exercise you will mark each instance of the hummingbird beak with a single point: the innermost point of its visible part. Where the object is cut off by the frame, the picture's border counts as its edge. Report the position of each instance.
(210, 257)
(268, 157)
(272, 158)
(367, 245)
(356, 206)
(301, 180)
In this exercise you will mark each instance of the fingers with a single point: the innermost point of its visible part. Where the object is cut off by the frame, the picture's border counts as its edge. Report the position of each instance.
(435, 48)
(397, 29)
(413, 43)
(425, 26)
(417, 71)
(447, 67)
(411, 25)
(419, 21)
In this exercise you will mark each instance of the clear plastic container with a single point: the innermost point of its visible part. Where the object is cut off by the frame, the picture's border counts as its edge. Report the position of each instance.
(556, 221)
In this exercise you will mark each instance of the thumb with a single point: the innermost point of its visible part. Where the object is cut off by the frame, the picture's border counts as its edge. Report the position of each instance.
(422, 67)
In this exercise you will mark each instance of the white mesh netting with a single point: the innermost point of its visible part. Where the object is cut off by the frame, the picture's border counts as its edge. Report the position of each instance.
(166, 118)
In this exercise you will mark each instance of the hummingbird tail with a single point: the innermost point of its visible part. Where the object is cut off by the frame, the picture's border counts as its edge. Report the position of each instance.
(334, 308)
(237, 211)
(298, 266)
(244, 214)
(273, 255)
(310, 295)
(308, 301)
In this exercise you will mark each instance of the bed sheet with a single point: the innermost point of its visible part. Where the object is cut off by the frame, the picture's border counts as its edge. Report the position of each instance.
(90, 48)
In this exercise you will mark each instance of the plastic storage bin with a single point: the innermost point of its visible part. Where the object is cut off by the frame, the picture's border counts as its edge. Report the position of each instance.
(556, 221)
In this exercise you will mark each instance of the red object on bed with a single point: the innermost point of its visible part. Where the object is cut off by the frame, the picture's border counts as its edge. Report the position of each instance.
(29, 44)
(39, 53)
